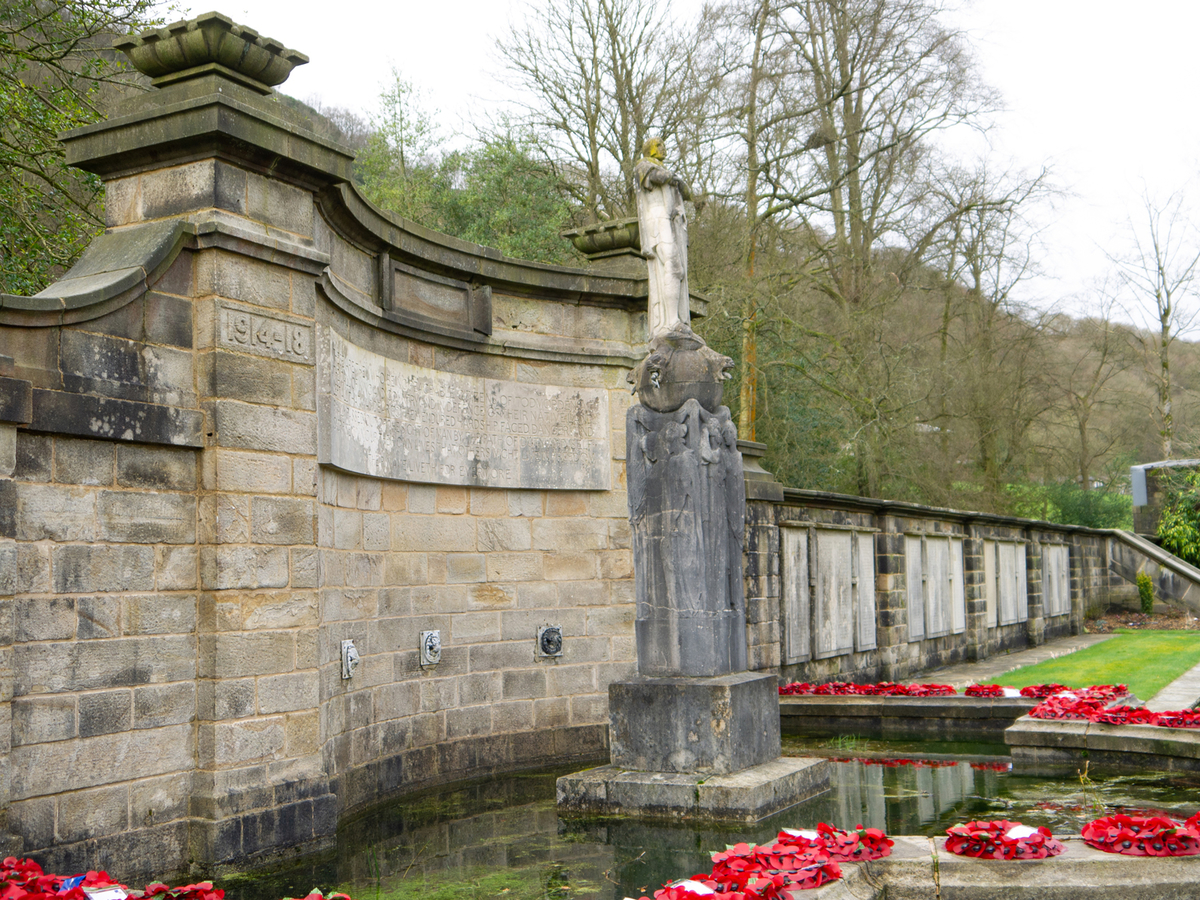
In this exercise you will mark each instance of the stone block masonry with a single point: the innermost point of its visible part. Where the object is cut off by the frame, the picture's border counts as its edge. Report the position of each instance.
(195, 510)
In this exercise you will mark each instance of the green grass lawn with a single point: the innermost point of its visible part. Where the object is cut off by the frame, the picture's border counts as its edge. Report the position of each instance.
(1147, 661)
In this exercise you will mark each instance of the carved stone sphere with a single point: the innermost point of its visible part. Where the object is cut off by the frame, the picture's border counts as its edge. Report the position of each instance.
(680, 367)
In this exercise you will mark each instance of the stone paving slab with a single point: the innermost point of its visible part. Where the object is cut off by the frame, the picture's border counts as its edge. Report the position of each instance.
(1182, 693)
(989, 671)
(921, 869)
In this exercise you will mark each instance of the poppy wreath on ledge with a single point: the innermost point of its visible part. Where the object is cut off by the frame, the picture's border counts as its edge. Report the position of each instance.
(879, 689)
(1034, 691)
(23, 879)
(1082, 705)
(984, 690)
(842, 846)
(1042, 691)
(743, 867)
(1002, 839)
(1143, 835)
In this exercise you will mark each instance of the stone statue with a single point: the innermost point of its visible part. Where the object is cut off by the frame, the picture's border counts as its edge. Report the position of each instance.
(662, 227)
(684, 472)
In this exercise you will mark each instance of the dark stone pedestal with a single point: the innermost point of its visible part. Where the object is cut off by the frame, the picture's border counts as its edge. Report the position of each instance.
(705, 726)
(705, 749)
(687, 509)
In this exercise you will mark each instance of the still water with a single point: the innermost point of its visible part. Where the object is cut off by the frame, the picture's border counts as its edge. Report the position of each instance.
(501, 839)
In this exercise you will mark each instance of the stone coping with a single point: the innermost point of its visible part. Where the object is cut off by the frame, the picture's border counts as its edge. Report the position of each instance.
(903, 718)
(1087, 737)
(853, 503)
(368, 225)
(920, 868)
(117, 267)
(949, 707)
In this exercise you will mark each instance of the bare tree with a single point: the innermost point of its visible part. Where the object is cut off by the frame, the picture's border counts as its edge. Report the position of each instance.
(599, 77)
(756, 111)
(1159, 276)
(886, 75)
(1090, 355)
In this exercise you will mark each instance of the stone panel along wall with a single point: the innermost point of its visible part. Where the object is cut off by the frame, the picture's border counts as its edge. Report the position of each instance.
(875, 590)
(179, 562)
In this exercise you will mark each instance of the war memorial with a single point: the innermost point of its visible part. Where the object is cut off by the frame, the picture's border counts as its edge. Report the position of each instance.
(304, 506)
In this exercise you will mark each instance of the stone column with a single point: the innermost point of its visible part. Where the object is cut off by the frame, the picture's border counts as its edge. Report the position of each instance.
(760, 561)
(694, 715)
(217, 151)
(1079, 583)
(1035, 626)
(891, 605)
(976, 597)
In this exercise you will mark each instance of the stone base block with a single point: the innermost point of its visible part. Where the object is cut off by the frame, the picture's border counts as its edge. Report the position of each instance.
(702, 726)
(745, 796)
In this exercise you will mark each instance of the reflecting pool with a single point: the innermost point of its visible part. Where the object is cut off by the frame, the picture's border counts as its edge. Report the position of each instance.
(502, 838)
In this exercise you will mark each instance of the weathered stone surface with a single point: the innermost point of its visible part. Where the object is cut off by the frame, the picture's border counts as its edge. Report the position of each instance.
(687, 508)
(282, 521)
(47, 512)
(157, 468)
(92, 665)
(37, 720)
(105, 712)
(116, 420)
(44, 618)
(84, 568)
(130, 370)
(37, 769)
(8, 449)
(745, 796)
(16, 400)
(83, 462)
(147, 518)
(697, 725)
(255, 427)
(391, 419)
(222, 568)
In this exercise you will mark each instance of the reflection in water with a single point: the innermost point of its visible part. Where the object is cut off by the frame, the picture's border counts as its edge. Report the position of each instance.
(503, 838)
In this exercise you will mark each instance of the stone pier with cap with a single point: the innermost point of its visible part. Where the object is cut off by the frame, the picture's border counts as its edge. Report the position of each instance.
(694, 734)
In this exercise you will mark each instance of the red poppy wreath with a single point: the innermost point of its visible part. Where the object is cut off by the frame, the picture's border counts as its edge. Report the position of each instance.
(1002, 839)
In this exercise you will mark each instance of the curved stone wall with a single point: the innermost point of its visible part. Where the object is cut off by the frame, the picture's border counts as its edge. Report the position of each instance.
(262, 421)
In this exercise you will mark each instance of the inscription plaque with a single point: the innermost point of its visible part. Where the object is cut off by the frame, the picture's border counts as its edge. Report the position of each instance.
(240, 329)
(389, 419)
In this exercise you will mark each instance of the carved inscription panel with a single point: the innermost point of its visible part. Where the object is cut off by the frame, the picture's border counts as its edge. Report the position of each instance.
(240, 329)
(391, 419)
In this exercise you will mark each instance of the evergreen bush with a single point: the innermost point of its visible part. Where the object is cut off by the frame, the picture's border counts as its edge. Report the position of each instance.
(1146, 592)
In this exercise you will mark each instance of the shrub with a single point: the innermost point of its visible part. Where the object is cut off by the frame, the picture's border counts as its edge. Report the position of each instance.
(1179, 522)
(1146, 592)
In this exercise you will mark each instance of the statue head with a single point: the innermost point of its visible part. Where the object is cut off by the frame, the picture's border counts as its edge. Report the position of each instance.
(654, 149)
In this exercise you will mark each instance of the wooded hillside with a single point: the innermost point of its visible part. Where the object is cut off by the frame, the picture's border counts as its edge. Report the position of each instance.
(868, 284)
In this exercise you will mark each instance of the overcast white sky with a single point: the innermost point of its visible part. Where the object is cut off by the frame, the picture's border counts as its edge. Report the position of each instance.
(1101, 91)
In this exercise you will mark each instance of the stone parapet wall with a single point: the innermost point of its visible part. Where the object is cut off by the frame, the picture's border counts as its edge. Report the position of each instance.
(899, 630)
(260, 419)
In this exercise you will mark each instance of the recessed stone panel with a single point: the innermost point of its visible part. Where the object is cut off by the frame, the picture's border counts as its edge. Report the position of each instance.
(833, 609)
(797, 603)
(276, 336)
(390, 419)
